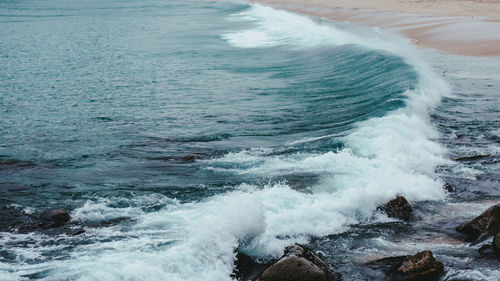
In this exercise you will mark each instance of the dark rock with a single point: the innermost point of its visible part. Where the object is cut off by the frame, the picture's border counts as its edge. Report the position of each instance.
(496, 243)
(482, 226)
(299, 264)
(245, 268)
(423, 265)
(242, 266)
(448, 187)
(420, 267)
(398, 208)
(54, 217)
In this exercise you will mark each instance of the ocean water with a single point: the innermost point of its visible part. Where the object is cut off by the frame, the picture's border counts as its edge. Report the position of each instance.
(176, 132)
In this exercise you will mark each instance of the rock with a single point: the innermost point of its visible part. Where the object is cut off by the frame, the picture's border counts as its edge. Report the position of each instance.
(448, 187)
(245, 268)
(398, 208)
(423, 265)
(299, 264)
(54, 217)
(482, 226)
(496, 243)
(242, 266)
(491, 251)
(12, 218)
(484, 249)
(49, 222)
(420, 267)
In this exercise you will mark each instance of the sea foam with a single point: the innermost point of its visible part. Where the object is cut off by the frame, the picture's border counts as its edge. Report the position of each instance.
(383, 157)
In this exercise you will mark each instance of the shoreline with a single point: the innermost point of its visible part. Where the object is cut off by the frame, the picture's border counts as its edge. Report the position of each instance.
(460, 29)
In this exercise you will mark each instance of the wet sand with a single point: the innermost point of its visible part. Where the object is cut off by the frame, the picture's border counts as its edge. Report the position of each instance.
(454, 26)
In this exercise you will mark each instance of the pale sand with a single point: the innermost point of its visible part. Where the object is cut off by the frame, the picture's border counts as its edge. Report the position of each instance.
(463, 27)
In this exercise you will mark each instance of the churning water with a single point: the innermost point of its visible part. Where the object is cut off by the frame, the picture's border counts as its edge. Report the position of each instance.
(178, 131)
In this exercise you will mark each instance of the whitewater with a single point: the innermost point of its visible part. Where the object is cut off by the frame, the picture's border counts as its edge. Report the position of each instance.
(246, 199)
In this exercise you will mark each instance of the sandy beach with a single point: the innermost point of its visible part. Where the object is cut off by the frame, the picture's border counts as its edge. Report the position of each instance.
(462, 27)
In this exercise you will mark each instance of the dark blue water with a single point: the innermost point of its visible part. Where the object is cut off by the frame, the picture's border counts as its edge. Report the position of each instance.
(177, 131)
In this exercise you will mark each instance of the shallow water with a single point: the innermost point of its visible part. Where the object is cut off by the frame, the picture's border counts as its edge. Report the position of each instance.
(176, 132)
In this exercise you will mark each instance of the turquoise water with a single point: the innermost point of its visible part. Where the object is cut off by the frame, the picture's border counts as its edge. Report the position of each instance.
(178, 131)
(103, 93)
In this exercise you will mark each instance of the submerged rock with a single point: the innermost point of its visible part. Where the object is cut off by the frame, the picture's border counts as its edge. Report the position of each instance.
(14, 219)
(54, 217)
(398, 208)
(12, 164)
(50, 221)
(190, 158)
(420, 267)
(11, 218)
(299, 264)
(483, 226)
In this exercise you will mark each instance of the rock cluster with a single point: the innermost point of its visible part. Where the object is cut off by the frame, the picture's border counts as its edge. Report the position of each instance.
(301, 264)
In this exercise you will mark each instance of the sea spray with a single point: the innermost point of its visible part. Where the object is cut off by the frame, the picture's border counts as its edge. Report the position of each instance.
(382, 155)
